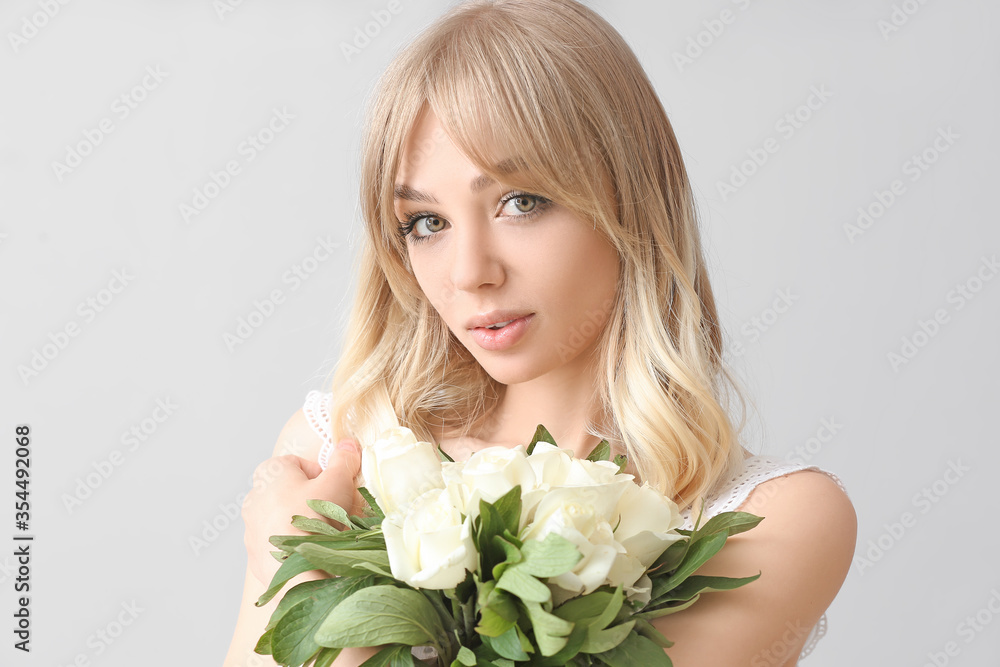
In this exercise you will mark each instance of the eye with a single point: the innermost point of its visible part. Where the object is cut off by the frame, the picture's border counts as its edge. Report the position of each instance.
(525, 205)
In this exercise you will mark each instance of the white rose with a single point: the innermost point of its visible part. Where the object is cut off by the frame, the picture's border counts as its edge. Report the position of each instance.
(646, 523)
(580, 514)
(583, 472)
(430, 546)
(397, 469)
(551, 464)
(492, 472)
(648, 520)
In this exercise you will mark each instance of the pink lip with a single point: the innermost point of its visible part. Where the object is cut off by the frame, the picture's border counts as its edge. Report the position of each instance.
(495, 317)
(503, 338)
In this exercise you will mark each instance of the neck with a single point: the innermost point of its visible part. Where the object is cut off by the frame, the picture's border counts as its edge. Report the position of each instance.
(563, 401)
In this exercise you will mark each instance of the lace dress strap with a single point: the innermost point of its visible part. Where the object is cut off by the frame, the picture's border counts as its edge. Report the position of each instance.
(317, 412)
(735, 491)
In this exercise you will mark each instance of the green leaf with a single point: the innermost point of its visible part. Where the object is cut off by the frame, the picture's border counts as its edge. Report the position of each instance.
(313, 525)
(497, 610)
(346, 563)
(695, 584)
(601, 452)
(366, 522)
(654, 611)
(348, 539)
(567, 653)
(732, 523)
(491, 524)
(599, 641)
(649, 631)
(466, 656)
(508, 506)
(551, 632)
(443, 455)
(635, 650)
(519, 582)
(609, 612)
(698, 553)
(325, 657)
(372, 503)
(541, 435)
(584, 608)
(621, 460)
(507, 645)
(670, 559)
(294, 565)
(550, 557)
(511, 555)
(381, 615)
(330, 510)
(394, 655)
(296, 594)
(263, 646)
(292, 640)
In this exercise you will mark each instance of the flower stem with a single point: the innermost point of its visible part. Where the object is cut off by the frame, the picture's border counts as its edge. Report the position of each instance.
(445, 652)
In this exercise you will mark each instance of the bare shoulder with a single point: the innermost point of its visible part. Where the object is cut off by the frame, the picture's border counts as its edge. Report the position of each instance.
(298, 437)
(802, 549)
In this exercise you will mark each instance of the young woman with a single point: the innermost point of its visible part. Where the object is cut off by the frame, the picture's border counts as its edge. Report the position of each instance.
(532, 256)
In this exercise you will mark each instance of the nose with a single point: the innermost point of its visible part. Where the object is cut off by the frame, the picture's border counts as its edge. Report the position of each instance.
(476, 262)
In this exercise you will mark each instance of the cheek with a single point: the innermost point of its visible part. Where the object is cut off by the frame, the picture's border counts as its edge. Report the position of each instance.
(430, 279)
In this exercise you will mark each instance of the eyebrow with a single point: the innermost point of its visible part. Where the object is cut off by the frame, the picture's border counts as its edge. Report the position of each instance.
(478, 184)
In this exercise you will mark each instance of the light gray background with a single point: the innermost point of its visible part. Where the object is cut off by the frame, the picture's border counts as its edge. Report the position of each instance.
(783, 232)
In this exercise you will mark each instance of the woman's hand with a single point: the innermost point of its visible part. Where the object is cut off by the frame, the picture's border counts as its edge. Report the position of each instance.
(281, 486)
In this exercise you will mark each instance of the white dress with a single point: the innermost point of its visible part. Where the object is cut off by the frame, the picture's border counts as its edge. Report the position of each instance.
(757, 469)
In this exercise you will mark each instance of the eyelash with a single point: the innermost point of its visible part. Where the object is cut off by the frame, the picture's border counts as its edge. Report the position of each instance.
(406, 226)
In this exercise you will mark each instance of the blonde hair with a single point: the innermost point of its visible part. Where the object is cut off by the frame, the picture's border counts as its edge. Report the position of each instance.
(557, 89)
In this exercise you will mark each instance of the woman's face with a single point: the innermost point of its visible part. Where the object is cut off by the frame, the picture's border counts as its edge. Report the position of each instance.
(489, 247)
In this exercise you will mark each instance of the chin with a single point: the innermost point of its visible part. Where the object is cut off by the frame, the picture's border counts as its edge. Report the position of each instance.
(509, 371)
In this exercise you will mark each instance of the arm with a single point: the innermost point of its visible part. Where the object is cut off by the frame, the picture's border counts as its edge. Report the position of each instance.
(803, 549)
(296, 438)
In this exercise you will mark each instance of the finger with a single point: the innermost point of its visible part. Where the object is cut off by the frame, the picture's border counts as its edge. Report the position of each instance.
(312, 469)
(278, 470)
(344, 464)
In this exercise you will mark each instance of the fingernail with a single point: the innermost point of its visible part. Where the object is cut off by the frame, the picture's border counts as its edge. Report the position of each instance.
(347, 445)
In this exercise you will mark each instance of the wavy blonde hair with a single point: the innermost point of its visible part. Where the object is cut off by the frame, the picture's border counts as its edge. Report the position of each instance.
(553, 85)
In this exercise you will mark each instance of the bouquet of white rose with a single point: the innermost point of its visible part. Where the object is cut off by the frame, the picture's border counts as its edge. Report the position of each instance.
(524, 555)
